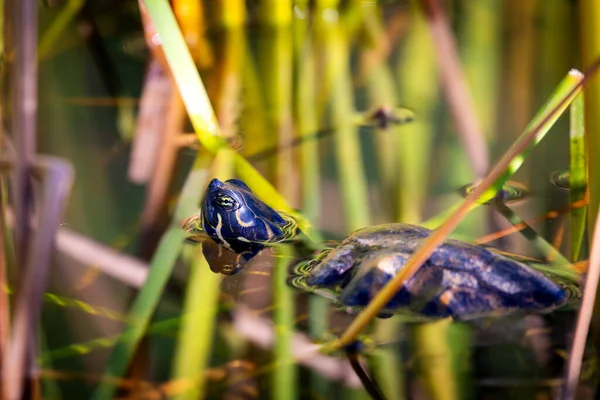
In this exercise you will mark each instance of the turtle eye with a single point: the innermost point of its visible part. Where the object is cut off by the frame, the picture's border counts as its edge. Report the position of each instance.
(225, 201)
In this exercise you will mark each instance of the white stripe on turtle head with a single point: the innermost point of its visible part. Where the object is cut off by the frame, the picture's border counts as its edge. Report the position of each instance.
(270, 234)
(218, 230)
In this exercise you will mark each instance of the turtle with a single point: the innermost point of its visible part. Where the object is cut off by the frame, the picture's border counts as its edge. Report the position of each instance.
(239, 223)
(459, 280)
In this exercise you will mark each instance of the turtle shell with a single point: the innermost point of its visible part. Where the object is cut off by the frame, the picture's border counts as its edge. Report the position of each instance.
(459, 280)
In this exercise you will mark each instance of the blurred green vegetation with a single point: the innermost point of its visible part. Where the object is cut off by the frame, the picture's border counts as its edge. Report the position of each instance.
(272, 71)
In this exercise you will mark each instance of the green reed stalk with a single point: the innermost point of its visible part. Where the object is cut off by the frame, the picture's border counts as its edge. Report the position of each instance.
(200, 110)
(577, 175)
(555, 50)
(306, 123)
(590, 38)
(589, 19)
(285, 380)
(381, 89)
(271, 71)
(59, 25)
(353, 17)
(230, 13)
(7, 235)
(196, 333)
(553, 255)
(435, 359)
(226, 81)
(142, 310)
(8, 267)
(479, 44)
(328, 8)
(2, 37)
(352, 393)
(347, 142)
(478, 38)
(440, 347)
(486, 13)
(161, 265)
(380, 85)
(164, 327)
(386, 365)
(195, 339)
(480, 52)
(276, 66)
(519, 61)
(318, 327)
(333, 43)
(254, 116)
(50, 388)
(325, 4)
(275, 12)
(417, 82)
(555, 102)
(554, 54)
(418, 87)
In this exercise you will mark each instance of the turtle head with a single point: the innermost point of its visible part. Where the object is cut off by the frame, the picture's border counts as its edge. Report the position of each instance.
(234, 217)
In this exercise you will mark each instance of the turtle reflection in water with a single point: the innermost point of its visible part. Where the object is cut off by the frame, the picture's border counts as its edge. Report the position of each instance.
(459, 280)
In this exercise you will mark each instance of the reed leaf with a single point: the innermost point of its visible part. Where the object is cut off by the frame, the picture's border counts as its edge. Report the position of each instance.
(254, 116)
(59, 25)
(284, 376)
(381, 91)
(275, 12)
(349, 163)
(480, 52)
(435, 359)
(381, 88)
(200, 110)
(553, 255)
(50, 388)
(196, 336)
(321, 5)
(578, 181)
(589, 22)
(418, 87)
(275, 58)
(306, 124)
(231, 13)
(161, 265)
